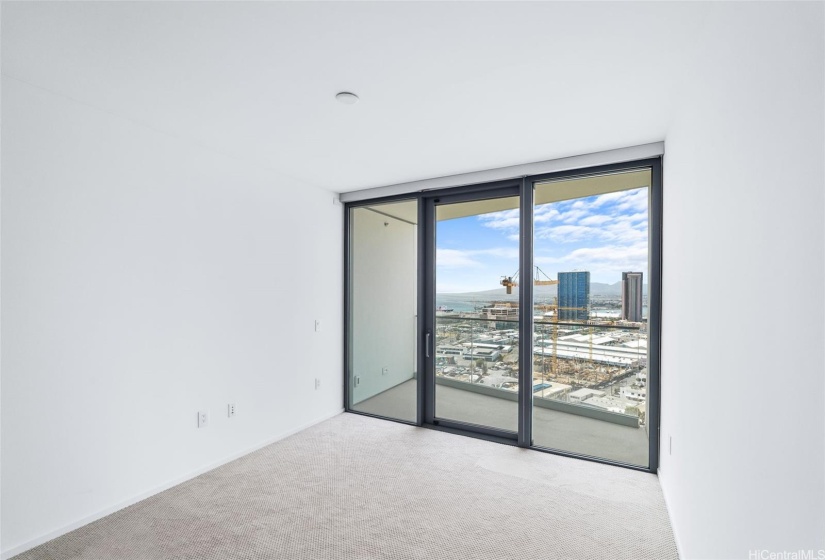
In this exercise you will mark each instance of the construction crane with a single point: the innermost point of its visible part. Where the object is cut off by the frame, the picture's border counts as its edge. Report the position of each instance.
(511, 282)
(554, 357)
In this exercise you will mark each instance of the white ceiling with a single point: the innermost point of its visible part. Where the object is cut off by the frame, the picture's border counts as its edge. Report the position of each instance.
(445, 88)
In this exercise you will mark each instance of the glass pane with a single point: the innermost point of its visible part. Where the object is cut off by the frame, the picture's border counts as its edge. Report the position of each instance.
(383, 283)
(590, 308)
(476, 338)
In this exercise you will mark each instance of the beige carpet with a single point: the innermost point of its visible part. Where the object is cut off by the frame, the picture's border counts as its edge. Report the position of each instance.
(358, 487)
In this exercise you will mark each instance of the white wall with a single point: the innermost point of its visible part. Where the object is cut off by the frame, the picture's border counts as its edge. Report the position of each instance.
(145, 279)
(384, 281)
(743, 389)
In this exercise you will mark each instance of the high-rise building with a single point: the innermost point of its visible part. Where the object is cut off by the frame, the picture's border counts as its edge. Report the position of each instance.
(574, 296)
(632, 296)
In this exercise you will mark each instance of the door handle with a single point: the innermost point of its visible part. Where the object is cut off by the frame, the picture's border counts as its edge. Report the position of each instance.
(427, 345)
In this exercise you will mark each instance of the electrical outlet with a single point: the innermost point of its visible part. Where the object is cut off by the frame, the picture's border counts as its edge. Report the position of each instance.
(230, 410)
(357, 381)
(385, 370)
(317, 383)
(317, 325)
(203, 418)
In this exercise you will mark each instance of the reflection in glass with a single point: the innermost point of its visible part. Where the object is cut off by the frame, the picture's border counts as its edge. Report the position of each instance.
(382, 313)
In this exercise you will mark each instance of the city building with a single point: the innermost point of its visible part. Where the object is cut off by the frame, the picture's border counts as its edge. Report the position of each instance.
(632, 297)
(503, 313)
(450, 350)
(486, 354)
(580, 395)
(633, 393)
(610, 404)
(574, 296)
(548, 390)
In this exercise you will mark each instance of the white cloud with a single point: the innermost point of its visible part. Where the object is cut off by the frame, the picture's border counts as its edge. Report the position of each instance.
(500, 252)
(607, 226)
(566, 233)
(506, 219)
(454, 258)
(578, 212)
(605, 234)
(624, 230)
(605, 263)
(637, 217)
(603, 199)
(545, 213)
(612, 253)
(573, 215)
(635, 200)
(595, 220)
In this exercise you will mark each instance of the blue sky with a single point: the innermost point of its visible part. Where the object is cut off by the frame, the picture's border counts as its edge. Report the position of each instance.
(605, 234)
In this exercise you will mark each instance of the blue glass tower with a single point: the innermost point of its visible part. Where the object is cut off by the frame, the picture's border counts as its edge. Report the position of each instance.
(574, 296)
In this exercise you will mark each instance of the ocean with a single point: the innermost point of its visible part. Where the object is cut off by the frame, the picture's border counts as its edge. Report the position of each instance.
(462, 303)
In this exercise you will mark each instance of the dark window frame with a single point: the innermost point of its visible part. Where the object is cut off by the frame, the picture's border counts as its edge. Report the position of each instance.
(426, 201)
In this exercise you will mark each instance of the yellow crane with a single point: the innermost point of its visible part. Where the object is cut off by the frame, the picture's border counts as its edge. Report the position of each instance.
(511, 282)
(554, 357)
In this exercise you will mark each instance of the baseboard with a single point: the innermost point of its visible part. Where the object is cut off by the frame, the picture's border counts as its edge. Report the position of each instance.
(679, 548)
(19, 549)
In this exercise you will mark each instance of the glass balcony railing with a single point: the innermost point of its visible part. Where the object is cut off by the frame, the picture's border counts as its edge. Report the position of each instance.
(597, 370)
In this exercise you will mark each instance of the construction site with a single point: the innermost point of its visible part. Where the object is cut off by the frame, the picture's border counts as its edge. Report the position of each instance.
(573, 349)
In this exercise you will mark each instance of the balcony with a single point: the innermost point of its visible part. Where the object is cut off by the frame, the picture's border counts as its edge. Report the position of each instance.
(589, 393)
(552, 429)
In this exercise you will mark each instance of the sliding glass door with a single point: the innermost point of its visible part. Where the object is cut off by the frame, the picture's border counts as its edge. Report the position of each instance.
(524, 311)
(591, 235)
(476, 323)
